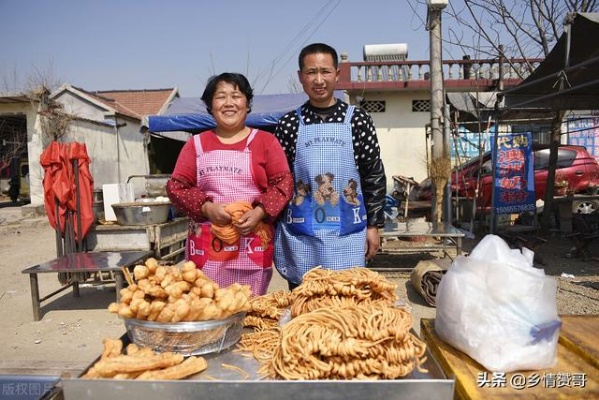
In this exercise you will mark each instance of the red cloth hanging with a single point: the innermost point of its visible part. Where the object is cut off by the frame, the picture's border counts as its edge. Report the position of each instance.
(59, 184)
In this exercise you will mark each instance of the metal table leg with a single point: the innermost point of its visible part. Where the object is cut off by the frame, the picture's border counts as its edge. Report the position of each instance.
(35, 296)
(76, 288)
(118, 281)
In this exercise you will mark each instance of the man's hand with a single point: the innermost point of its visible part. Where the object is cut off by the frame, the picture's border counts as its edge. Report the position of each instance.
(373, 242)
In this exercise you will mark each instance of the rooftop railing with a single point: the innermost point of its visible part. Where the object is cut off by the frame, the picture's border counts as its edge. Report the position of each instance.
(465, 74)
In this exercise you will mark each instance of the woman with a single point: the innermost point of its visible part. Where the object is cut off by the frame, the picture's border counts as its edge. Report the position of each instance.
(217, 169)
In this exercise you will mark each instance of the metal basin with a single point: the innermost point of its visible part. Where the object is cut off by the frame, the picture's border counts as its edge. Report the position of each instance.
(187, 338)
(141, 213)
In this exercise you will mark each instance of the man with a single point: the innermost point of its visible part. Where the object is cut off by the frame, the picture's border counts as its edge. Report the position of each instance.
(332, 148)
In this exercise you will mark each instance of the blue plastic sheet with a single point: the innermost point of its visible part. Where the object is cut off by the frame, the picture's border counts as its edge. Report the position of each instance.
(189, 113)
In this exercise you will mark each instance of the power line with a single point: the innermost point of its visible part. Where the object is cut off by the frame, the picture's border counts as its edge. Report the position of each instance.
(291, 48)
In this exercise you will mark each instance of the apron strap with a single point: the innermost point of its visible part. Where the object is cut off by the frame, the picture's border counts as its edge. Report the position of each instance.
(198, 144)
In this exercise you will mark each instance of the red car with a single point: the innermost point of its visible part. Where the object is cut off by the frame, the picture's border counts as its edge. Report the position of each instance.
(574, 163)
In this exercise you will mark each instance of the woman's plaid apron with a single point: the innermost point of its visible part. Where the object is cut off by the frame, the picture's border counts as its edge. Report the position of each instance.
(226, 176)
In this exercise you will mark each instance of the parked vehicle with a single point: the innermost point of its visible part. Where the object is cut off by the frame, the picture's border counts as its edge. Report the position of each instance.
(574, 164)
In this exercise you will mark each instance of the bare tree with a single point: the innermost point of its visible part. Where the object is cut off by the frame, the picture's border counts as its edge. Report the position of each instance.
(38, 85)
(54, 120)
(17, 81)
(524, 29)
(10, 81)
(13, 140)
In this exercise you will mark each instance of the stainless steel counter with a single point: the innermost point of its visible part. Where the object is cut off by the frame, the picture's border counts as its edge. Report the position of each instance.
(219, 382)
(449, 238)
(29, 387)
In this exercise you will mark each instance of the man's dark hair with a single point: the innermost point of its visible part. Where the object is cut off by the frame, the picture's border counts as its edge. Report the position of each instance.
(238, 81)
(315, 48)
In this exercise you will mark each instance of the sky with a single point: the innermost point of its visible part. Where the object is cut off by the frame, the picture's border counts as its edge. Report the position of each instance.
(125, 45)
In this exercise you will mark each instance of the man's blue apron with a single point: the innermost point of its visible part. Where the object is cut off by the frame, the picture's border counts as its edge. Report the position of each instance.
(327, 226)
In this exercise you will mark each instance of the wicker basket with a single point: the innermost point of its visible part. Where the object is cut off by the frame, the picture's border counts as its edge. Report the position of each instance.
(187, 338)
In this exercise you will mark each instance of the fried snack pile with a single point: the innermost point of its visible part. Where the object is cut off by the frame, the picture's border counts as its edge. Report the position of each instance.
(345, 326)
(364, 341)
(265, 311)
(329, 288)
(172, 294)
(229, 234)
(142, 363)
(261, 344)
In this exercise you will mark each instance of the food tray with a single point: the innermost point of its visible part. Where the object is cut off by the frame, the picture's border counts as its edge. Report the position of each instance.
(220, 382)
(187, 338)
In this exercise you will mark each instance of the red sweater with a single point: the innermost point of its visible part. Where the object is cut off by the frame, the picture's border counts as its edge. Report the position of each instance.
(271, 173)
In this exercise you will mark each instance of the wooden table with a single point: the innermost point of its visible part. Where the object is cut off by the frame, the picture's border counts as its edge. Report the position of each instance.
(112, 262)
(448, 236)
(576, 375)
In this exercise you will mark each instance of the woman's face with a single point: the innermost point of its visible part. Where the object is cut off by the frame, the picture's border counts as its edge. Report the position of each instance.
(229, 107)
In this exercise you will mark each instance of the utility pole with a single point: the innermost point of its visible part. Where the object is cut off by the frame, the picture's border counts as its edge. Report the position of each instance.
(440, 155)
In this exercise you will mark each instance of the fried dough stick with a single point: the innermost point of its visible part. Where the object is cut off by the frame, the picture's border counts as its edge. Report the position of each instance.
(188, 367)
(112, 347)
(112, 366)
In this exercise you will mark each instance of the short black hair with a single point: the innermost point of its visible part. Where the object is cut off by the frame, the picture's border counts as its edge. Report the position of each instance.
(315, 48)
(239, 81)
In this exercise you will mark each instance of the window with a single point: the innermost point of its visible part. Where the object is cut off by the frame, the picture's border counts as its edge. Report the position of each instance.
(565, 158)
(373, 106)
(541, 133)
(421, 105)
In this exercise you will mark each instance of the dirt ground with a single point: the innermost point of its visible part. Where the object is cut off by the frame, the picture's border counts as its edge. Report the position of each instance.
(577, 279)
(69, 336)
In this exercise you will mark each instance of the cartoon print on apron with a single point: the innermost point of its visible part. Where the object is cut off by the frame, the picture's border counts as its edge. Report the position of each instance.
(332, 199)
(226, 176)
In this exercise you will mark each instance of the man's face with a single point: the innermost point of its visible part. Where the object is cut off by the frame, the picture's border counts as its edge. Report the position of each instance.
(318, 78)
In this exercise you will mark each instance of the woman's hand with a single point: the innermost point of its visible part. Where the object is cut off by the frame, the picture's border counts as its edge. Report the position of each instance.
(215, 212)
(250, 220)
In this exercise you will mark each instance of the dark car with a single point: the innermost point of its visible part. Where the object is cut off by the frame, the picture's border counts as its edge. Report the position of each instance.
(574, 164)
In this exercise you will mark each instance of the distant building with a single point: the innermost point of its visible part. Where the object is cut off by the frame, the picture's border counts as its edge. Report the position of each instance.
(108, 122)
(396, 93)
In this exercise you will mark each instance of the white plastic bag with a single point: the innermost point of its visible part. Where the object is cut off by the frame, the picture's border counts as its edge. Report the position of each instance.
(500, 310)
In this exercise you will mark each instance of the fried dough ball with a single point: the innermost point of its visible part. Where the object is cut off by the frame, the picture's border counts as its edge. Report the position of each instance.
(173, 294)
(140, 272)
(151, 263)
